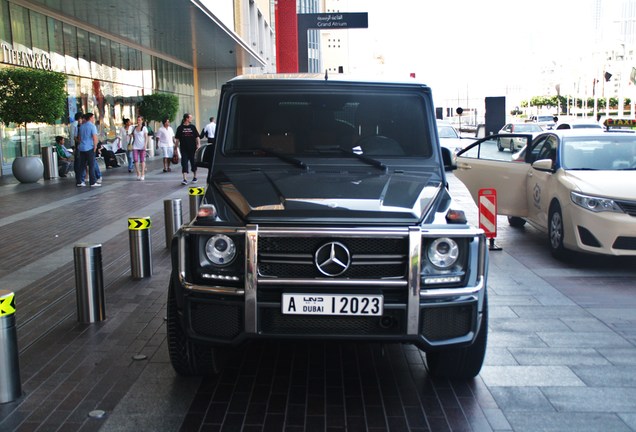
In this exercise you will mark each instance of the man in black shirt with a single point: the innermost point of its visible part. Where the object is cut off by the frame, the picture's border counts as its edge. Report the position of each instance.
(187, 138)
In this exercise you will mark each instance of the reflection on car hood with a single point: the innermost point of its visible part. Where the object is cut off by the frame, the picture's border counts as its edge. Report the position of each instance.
(293, 195)
(611, 184)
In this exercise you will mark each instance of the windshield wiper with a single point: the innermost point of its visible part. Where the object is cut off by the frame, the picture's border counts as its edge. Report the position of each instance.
(366, 159)
(283, 157)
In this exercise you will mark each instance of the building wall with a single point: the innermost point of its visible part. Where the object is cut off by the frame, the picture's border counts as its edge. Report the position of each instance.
(335, 44)
(286, 36)
(108, 78)
(103, 76)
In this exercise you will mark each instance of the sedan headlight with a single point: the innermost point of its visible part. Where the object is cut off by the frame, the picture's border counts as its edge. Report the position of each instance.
(595, 204)
(220, 249)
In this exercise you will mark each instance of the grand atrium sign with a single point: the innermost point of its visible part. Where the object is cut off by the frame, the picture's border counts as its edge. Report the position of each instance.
(25, 58)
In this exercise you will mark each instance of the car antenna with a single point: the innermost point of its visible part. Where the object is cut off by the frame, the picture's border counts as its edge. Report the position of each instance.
(326, 74)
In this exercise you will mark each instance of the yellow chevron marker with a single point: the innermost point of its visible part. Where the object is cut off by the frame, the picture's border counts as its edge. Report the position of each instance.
(196, 191)
(7, 303)
(135, 224)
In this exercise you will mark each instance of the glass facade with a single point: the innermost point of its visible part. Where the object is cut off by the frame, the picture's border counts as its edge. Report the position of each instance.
(103, 76)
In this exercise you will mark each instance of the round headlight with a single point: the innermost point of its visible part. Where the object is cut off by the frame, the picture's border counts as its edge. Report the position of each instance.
(443, 252)
(220, 249)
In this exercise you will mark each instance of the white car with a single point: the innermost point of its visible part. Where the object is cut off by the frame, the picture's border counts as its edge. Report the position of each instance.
(450, 138)
(515, 144)
(547, 122)
(575, 185)
(568, 125)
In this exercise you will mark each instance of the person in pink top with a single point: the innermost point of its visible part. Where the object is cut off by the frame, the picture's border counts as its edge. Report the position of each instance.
(140, 135)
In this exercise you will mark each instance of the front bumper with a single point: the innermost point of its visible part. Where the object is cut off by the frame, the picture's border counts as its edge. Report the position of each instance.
(604, 233)
(426, 316)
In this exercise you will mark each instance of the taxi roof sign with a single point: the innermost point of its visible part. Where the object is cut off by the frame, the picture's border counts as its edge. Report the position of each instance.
(610, 122)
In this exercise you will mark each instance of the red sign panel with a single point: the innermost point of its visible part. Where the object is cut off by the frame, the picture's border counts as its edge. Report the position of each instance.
(488, 212)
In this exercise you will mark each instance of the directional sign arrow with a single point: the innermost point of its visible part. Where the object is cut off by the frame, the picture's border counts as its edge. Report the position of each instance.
(138, 223)
(196, 190)
(7, 303)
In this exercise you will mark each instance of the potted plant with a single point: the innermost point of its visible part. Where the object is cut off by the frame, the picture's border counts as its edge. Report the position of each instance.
(155, 107)
(30, 96)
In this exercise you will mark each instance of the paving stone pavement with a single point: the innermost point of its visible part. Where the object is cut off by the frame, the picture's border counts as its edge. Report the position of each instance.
(561, 351)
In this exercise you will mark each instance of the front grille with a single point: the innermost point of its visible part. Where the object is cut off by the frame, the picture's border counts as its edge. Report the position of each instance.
(628, 207)
(273, 322)
(216, 320)
(446, 322)
(625, 243)
(293, 257)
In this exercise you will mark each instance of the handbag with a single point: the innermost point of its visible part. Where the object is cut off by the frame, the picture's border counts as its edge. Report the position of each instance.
(175, 157)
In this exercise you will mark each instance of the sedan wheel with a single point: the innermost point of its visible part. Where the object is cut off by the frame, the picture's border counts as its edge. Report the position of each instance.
(555, 231)
(499, 146)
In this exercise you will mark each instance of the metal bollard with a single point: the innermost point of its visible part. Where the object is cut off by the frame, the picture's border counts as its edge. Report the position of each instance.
(196, 196)
(10, 387)
(173, 218)
(140, 247)
(49, 159)
(89, 282)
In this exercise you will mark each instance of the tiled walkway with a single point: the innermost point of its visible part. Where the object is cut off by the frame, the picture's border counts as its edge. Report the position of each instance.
(561, 352)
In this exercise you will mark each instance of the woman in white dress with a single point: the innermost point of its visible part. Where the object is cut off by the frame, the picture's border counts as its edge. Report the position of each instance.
(166, 143)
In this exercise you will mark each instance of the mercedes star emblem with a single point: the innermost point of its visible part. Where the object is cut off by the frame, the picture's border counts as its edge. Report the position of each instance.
(332, 259)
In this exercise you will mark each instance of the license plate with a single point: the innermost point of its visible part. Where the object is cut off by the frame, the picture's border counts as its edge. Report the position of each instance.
(330, 304)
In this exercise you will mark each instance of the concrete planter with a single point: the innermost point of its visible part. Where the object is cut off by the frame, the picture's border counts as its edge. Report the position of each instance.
(28, 169)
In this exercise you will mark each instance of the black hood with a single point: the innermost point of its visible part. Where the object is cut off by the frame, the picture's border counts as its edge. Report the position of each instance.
(348, 197)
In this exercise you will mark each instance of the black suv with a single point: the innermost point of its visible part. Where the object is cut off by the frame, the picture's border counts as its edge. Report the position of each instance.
(327, 216)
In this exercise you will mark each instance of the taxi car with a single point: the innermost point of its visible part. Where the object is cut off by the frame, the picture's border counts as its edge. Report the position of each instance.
(575, 185)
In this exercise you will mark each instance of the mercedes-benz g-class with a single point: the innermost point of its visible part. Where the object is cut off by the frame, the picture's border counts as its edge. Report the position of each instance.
(327, 215)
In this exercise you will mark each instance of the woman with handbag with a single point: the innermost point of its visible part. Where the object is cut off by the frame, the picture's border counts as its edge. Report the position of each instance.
(165, 134)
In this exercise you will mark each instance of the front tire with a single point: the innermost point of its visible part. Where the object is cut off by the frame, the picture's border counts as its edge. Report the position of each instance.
(188, 358)
(461, 363)
(499, 146)
(556, 231)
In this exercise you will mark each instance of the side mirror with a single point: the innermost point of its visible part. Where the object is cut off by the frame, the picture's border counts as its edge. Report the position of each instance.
(543, 165)
(203, 156)
(449, 159)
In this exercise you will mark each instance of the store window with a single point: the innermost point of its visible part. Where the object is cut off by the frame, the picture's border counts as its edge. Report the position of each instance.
(5, 23)
(20, 33)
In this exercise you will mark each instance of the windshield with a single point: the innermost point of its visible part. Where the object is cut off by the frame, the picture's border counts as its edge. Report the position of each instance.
(447, 132)
(323, 125)
(599, 153)
(529, 127)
